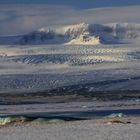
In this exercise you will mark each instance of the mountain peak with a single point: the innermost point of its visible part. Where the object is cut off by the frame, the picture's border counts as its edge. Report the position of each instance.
(82, 33)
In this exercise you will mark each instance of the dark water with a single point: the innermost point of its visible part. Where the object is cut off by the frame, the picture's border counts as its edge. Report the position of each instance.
(54, 117)
(87, 114)
(79, 115)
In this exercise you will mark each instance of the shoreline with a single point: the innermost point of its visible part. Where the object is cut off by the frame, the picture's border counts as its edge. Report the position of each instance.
(94, 119)
(79, 110)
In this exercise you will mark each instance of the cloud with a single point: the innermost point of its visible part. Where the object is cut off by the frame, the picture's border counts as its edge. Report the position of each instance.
(17, 19)
(20, 19)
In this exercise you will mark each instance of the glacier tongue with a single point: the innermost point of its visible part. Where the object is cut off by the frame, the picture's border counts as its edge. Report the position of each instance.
(73, 67)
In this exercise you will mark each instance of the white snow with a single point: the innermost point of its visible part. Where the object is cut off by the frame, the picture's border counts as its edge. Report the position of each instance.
(88, 41)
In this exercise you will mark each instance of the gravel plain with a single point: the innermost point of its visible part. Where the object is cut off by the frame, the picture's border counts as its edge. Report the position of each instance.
(100, 129)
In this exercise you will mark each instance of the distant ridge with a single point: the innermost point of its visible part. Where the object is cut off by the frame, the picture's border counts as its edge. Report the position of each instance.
(82, 34)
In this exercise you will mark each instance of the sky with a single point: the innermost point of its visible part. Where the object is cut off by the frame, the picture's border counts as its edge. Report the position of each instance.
(77, 3)
(24, 16)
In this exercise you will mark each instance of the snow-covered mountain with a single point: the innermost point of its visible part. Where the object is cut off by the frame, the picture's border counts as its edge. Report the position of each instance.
(70, 34)
(82, 34)
(110, 65)
(100, 55)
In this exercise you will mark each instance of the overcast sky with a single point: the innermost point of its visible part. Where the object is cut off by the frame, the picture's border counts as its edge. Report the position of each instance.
(77, 3)
(18, 17)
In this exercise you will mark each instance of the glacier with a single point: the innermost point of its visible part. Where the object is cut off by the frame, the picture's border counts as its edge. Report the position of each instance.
(84, 56)
(89, 68)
